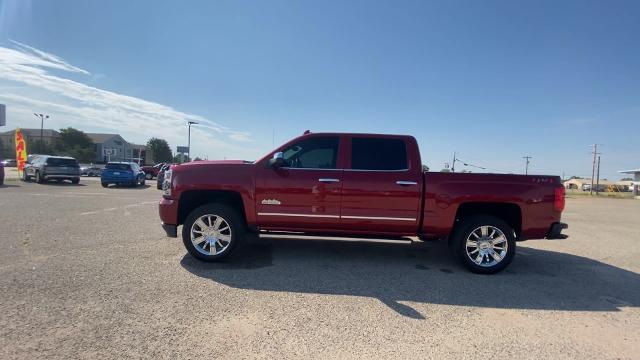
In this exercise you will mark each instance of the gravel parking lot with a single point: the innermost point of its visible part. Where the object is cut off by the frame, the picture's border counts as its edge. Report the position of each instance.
(87, 272)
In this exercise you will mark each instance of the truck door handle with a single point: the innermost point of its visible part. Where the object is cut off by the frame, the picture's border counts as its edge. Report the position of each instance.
(327, 180)
(406, 183)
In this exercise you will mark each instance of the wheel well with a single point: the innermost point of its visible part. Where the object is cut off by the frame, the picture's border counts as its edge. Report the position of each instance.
(507, 212)
(190, 200)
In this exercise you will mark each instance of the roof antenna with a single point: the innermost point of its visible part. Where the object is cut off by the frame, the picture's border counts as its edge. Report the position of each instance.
(306, 132)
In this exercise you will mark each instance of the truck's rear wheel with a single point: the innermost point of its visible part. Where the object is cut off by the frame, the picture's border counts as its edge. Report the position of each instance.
(484, 244)
(212, 232)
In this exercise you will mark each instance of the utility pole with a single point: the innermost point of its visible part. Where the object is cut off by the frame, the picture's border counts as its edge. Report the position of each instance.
(593, 166)
(526, 168)
(453, 163)
(189, 139)
(42, 117)
(598, 176)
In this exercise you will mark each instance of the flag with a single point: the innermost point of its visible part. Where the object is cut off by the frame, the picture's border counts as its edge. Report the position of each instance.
(21, 150)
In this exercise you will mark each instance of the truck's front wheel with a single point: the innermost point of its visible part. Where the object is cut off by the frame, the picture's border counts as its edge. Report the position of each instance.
(484, 244)
(212, 232)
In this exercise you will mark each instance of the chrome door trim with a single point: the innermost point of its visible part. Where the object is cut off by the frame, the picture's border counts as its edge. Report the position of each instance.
(299, 215)
(328, 180)
(377, 218)
(337, 216)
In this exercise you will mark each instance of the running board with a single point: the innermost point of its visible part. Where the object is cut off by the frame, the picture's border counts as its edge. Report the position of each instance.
(402, 240)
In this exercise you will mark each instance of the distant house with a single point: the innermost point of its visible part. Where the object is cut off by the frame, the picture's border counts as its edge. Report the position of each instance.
(113, 147)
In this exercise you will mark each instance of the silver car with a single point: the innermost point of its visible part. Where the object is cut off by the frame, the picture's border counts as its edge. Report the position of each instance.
(46, 167)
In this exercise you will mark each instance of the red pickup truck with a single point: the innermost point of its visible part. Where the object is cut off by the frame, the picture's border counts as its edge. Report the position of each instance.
(356, 185)
(151, 171)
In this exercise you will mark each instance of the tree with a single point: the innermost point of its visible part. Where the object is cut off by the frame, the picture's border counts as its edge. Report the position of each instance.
(178, 159)
(43, 148)
(160, 150)
(626, 179)
(77, 144)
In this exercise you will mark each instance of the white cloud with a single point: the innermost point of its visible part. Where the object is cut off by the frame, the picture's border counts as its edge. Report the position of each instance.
(27, 85)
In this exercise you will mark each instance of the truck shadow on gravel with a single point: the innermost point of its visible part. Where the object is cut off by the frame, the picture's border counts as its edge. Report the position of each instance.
(424, 273)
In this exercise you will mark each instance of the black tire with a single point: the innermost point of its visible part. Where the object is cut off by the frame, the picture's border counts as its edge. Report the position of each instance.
(105, 185)
(39, 179)
(465, 229)
(142, 182)
(148, 176)
(75, 180)
(236, 225)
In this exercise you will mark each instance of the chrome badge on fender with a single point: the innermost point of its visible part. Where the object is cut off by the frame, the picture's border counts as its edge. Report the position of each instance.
(270, 202)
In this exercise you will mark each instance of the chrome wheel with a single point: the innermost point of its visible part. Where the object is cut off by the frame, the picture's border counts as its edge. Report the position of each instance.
(211, 234)
(486, 246)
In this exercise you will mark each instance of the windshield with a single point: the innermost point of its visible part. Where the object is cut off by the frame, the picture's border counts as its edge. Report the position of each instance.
(121, 167)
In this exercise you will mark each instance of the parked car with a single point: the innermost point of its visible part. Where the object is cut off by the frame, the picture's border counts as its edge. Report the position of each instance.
(160, 177)
(122, 173)
(1, 174)
(9, 163)
(358, 185)
(151, 171)
(46, 167)
(90, 170)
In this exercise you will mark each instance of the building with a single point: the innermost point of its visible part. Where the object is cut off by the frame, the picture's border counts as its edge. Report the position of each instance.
(107, 147)
(113, 147)
(603, 185)
(32, 137)
(636, 180)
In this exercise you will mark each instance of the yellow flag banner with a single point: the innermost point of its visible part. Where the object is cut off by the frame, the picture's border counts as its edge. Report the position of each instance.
(21, 150)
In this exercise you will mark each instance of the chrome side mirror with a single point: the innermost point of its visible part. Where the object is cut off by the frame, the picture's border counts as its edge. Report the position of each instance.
(277, 160)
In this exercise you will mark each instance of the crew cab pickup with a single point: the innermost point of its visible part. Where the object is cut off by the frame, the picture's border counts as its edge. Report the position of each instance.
(358, 185)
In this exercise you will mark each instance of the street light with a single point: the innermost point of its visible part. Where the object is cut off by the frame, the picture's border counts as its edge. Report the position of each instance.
(189, 123)
(42, 117)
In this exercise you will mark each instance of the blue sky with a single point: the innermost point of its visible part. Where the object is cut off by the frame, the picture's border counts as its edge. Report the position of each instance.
(492, 80)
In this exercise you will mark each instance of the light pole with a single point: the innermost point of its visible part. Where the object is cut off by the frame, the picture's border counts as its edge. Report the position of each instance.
(189, 123)
(42, 117)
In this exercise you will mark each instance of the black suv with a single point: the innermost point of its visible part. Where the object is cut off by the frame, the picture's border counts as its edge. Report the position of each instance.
(46, 167)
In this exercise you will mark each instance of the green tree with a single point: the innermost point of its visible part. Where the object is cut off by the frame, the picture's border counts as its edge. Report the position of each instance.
(160, 150)
(77, 144)
(43, 148)
(178, 159)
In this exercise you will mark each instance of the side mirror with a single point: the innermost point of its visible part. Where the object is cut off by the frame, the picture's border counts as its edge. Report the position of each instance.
(277, 160)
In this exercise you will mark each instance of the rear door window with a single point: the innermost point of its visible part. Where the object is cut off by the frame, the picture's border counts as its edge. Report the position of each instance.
(378, 154)
(120, 167)
(62, 162)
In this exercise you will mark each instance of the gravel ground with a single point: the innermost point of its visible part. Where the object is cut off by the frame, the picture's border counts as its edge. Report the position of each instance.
(87, 272)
